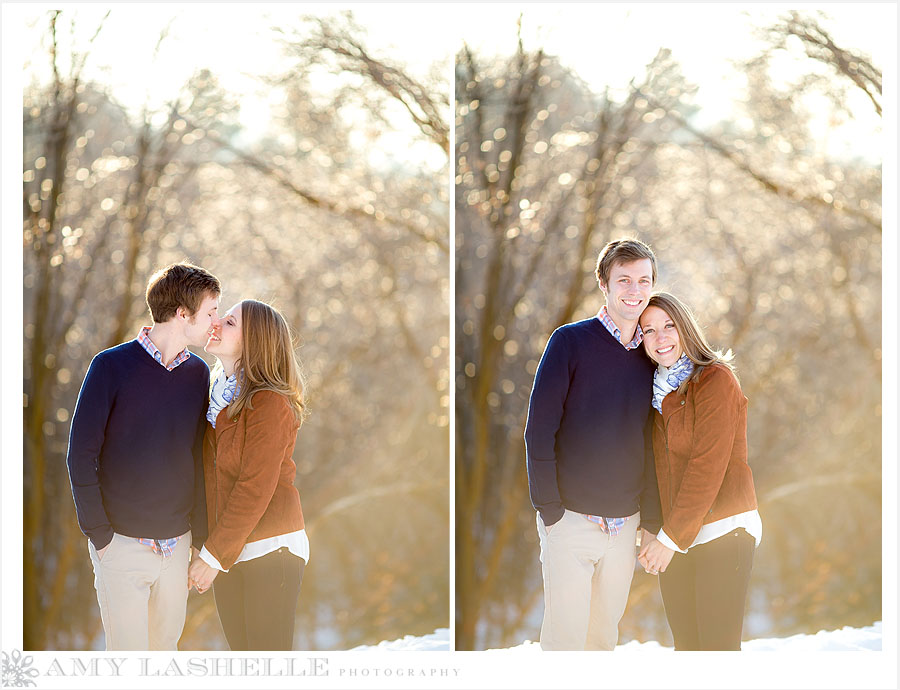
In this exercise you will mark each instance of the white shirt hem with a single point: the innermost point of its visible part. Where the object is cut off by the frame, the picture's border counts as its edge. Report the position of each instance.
(295, 542)
(750, 521)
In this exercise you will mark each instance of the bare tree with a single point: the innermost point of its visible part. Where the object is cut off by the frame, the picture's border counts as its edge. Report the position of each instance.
(340, 40)
(820, 45)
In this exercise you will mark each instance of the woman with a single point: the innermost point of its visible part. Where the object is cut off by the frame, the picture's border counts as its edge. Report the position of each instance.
(711, 527)
(257, 548)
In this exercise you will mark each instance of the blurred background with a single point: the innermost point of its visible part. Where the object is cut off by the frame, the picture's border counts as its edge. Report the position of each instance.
(304, 161)
(745, 148)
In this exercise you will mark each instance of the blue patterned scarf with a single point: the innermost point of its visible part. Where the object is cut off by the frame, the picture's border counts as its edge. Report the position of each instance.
(224, 390)
(667, 380)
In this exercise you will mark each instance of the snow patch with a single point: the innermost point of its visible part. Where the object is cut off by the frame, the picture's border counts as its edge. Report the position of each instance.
(846, 639)
(439, 640)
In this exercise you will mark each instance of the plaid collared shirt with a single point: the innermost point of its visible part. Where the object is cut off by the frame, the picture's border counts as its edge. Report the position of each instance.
(144, 339)
(608, 525)
(611, 326)
(164, 547)
(613, 525)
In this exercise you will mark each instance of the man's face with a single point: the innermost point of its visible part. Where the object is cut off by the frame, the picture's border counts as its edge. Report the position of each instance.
(628, 290)
(198, 326)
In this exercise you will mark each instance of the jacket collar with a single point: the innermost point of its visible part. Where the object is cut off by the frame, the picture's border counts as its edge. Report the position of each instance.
(671, 404)
(675, 401)
(223, 421)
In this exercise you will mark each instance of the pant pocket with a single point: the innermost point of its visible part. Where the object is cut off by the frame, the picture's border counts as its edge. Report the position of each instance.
(543, 530)
(555, 527)
(104, 560)
(741, 539)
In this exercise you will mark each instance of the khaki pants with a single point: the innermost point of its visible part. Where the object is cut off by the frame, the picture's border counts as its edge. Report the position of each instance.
(142, 595)
(587, 576)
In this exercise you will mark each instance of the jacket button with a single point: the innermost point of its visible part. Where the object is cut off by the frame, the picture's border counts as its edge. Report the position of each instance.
(682, 402)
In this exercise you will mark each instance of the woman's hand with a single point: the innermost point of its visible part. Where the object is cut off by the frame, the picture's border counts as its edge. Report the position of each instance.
(201, 575)
(655, 557)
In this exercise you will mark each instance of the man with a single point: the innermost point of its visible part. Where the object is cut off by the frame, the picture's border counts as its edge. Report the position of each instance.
(135, 462)
(585, 442)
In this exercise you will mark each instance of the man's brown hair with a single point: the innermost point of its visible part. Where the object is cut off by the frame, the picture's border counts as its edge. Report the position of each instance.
(179, 285)
(622, 252)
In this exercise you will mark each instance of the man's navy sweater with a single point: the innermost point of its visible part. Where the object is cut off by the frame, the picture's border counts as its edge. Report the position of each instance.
(135, 447)
(586, 438)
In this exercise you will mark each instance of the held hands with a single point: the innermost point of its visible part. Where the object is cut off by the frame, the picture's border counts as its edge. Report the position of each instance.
(200, 575)
(646, 538)
(654, 556)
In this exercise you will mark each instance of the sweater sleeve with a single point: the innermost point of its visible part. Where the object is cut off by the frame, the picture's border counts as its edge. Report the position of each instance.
(86, 437)
(651, 511)
(199, 526)
(269, 436)
(716, 407)
(545, 411)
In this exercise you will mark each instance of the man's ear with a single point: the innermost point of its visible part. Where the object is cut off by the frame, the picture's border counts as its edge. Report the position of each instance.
(602, 286)
(181, 312)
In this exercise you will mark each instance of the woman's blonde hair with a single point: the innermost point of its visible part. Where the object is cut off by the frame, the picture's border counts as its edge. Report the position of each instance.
(268, 361)
(693, 342)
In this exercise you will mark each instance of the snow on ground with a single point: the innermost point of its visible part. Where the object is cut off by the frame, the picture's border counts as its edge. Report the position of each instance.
(438, 641)
(846, 639)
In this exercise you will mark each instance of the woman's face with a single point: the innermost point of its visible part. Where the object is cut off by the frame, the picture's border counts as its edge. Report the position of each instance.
(225, 335)
(661, 340)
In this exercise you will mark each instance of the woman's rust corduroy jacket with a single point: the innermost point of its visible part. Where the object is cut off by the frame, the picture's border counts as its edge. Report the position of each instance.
(249, 475)
(700, 449)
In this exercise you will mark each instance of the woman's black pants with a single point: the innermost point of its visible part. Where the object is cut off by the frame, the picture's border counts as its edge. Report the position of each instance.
(256, 601)
(704, 592)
